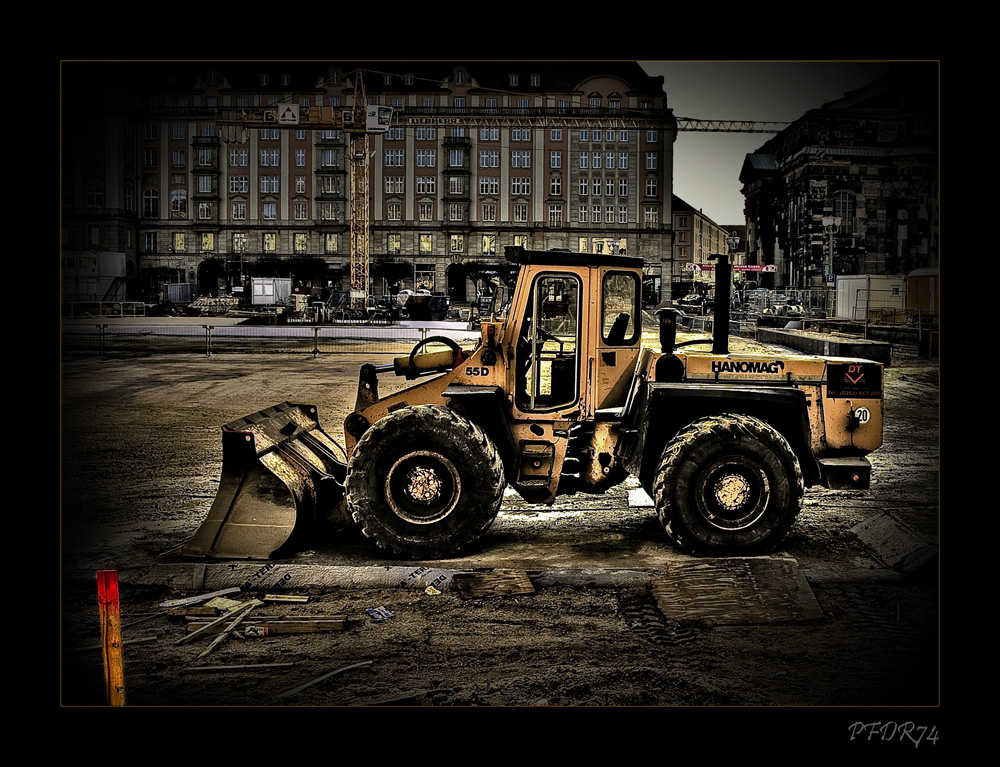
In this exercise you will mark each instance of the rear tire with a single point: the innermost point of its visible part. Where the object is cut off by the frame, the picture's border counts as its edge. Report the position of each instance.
(425, 482)
(728, 485)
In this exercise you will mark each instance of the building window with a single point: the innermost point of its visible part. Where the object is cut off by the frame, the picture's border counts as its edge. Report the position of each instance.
(844, 209)
(239, 210)
(179, 244)
(584, 160)
(394, 211)
(651, 187)
(300, 158)
(301, 211)
(520, 213)
(95, 196)
(489, 211)
(650, 160)
(520, 185)
(178, 203)
(456, 158)
(426, 243)
(426, 184)
(150, 241)
(270, 158)
(238, 158)
(150, 203)
(394, 244)
(521, 240)
(178, 132)
(650, 216)
(622, 214)
(425, 211)
(520, 134)
(583, 214)
(330, 158)
(394, 158)
(204, 184)
(555, 159)
(555, 185)
(555, 215)
(205, 157)
(457, 243)
(270, 211)
(520, 158)
(207, 242)
(455, 211)
(489, 244)
(269, 184)
(270, 242)
(301, 242)
(489, 185)
(609, 187)
(426, 158)
(489, 158)
(239, 242)
(330, 244)
(584, 187)
(456, 185)
(300, 185)
(178, 158)
(393, 184)
(239, 184)
(204, 210)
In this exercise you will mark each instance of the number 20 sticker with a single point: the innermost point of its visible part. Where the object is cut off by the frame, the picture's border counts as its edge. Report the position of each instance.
(863, 414)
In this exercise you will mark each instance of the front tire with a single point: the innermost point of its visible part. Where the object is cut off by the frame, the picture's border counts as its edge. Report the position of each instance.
(728, 485)
(425, 482)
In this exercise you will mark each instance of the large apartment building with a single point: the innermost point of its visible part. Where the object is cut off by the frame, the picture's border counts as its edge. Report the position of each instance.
(162, 187)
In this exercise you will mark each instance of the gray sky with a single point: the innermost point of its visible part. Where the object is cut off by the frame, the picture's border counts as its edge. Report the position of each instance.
(707, 165)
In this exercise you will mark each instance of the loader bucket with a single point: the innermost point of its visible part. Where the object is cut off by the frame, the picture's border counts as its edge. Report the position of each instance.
(280, 474)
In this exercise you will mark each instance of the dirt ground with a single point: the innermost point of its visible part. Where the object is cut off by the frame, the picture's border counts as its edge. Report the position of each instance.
(141, 454)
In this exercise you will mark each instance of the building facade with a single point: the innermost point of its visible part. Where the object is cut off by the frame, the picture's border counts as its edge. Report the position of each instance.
(476, 157)
(696, 239)
(850, 188)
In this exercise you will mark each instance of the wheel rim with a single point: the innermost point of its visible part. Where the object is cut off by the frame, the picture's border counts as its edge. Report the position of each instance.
(733, 493)
(422, 487)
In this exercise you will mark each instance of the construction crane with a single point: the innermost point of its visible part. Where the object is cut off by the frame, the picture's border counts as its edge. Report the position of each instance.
(360, 121)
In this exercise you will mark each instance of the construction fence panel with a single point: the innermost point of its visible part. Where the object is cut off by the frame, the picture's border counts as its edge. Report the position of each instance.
(252, 339)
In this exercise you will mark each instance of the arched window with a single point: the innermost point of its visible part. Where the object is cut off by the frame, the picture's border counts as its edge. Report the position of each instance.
(844, 208)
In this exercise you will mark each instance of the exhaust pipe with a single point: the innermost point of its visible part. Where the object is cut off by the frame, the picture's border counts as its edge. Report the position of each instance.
(723, 302)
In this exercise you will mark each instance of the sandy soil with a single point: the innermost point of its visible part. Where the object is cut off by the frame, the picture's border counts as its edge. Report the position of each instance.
(140, 463)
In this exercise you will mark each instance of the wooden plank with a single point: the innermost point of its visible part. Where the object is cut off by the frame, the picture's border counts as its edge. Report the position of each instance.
(240, 667)
(229, 629)
(493, 583)
(198, 599)
(289, 626)
(111, 636)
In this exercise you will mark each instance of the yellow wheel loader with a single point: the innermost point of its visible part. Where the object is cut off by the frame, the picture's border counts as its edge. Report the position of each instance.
(559, 396)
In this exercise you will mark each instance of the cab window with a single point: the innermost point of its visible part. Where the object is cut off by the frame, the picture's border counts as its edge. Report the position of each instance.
(546, 356)
(620, 323)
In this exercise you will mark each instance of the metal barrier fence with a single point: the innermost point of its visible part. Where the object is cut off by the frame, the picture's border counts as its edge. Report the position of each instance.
(76, 309)
(256, 339)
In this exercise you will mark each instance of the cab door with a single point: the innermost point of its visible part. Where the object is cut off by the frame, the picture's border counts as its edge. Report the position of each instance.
(618, 332)
(549, 391)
